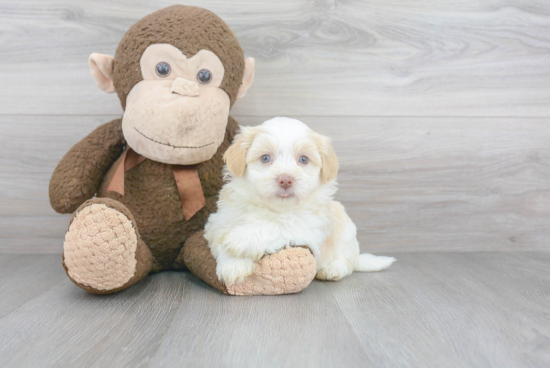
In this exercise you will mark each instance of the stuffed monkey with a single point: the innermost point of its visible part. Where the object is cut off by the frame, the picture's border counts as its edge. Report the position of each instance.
(156, 172)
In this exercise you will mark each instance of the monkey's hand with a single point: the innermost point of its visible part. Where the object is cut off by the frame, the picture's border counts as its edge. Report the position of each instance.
(79, 173)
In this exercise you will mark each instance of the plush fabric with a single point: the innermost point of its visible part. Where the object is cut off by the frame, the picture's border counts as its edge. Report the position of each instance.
(152, 126)
(102, 254)
(204, 30)
(100, 247)
(79, 173)
(151, 194)
(190, 189)
(200, 261)
(140, 226)
(100, 66)
(285, 272)
(184, 87)
(187, 181)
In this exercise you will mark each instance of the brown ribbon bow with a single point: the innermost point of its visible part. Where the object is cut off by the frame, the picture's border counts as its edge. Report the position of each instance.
(187, 180)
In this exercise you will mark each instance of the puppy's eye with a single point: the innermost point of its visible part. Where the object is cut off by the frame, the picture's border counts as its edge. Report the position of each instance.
(204, 76)
(304, 160)
(163, 69)
(265, 159)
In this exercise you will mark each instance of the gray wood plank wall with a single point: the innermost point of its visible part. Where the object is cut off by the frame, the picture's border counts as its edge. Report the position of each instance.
(440, 111)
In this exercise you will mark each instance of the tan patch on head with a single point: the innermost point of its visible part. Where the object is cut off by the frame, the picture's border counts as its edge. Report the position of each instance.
(310, 149)
(100, 248)
(235, 156)
(262, 144)
(330, 166)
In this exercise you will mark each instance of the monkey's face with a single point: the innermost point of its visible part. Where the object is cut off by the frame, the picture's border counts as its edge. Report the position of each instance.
(177, 114)
(177, 73)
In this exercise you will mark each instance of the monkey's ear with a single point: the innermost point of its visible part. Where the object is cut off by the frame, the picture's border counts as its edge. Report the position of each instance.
(102, 66)
(330, 166)
(248, 76)
(235, 156)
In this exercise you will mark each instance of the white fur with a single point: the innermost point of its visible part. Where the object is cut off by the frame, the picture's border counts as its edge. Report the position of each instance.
(255, 217)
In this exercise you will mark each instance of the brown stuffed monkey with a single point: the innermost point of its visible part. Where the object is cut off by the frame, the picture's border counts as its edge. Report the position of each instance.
(156, 172)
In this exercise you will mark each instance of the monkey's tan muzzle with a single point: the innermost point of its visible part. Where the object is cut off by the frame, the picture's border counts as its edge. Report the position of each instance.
(185, 87)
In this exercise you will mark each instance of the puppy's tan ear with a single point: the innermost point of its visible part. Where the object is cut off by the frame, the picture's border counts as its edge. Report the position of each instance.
(235, 156)
(330, 166)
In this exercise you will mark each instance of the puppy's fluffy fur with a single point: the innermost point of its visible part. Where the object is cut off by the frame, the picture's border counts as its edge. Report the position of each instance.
(258, 214)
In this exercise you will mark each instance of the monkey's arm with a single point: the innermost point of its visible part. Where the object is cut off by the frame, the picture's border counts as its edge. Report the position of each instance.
(79, 173)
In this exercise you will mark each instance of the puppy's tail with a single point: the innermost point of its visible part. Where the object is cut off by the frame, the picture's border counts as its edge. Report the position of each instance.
(370, 263)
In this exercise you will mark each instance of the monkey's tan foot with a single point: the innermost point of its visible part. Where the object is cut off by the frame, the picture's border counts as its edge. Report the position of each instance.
(103, 252)
(288, 271)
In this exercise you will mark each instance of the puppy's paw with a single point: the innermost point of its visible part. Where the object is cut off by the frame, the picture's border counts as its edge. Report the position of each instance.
(233, 270)
(334, 270)
(243, 243)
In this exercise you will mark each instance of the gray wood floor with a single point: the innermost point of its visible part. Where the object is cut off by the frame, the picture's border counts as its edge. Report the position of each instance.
(476, 309)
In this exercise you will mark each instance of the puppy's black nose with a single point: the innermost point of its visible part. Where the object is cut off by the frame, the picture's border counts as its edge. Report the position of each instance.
(285, 181)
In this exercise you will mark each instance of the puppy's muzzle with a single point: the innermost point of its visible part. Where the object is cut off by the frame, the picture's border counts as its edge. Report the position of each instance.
(285, 181)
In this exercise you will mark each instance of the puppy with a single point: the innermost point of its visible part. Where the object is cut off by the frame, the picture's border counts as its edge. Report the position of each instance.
(279, 192)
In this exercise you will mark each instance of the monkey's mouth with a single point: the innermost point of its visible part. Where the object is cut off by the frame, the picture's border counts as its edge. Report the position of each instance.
(169, 145)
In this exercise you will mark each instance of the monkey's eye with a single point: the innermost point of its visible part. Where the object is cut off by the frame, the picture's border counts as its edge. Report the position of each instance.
(204, 76)
(304, 160)
(163, 69)
(265, 158)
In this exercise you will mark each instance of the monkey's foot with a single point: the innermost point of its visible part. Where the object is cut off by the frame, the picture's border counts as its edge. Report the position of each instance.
(288, 271)
(103, 252)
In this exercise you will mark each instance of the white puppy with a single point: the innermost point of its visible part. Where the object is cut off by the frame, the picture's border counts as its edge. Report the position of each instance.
(280, 189)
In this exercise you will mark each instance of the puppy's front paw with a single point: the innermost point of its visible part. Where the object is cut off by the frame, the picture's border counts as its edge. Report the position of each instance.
(233, 270)
(243, 244)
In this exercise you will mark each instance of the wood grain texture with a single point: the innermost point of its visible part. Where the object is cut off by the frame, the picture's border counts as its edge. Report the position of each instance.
(428, 309)
(283, 331)
(453, 310)
(30, 148)
(323, 57)
(23, 278)
(444, 184)
(409, 184)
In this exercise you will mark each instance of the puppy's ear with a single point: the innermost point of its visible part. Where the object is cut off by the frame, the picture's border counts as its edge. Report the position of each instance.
(329, 168)
(235, 156)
